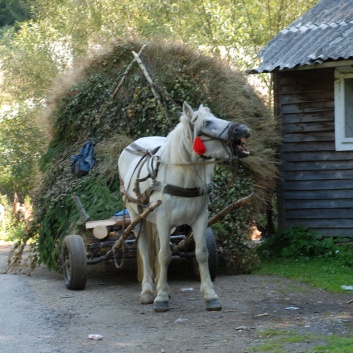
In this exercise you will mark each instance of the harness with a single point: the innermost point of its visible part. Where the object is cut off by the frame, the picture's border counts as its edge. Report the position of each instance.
(153, 162)
(142, 198)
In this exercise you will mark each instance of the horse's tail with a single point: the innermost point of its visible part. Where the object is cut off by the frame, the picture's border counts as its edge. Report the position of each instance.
(153, 251)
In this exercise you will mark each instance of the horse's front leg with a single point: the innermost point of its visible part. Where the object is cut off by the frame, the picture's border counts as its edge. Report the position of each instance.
(207, 289)
(148, 290)
(161, 303)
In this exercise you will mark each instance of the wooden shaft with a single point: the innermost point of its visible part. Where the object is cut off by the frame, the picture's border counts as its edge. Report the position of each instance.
(127, 231)
(228, 209)
(237, 204)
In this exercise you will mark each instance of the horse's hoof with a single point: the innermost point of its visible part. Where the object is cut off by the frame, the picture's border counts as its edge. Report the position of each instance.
(147, 298)
(213, 305)
(161, 307)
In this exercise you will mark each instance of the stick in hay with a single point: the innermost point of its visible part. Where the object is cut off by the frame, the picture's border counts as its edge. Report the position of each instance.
(147, 75)
(123, 78)
(125, 73)
(150, 81)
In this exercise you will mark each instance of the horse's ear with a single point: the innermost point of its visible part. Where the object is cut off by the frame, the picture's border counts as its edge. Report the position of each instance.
(187, 110)
(203, 107)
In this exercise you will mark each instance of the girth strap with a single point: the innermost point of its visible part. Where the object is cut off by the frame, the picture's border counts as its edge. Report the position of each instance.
(142, 199)
(186, 192)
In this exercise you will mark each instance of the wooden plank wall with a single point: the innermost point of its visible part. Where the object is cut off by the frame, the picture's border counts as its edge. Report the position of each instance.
(316, 189)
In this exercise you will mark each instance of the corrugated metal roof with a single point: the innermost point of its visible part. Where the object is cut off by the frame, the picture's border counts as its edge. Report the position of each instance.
(324, 33)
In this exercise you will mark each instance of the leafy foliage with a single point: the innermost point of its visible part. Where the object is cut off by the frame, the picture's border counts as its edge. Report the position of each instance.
(49, 44)
(300, 242)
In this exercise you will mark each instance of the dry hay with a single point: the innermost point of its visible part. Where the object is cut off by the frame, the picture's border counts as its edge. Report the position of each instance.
(86, 104)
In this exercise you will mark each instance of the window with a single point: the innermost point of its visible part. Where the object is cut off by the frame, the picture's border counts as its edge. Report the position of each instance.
(344, 109)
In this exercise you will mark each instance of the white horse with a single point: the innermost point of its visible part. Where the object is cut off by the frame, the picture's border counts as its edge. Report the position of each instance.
(178, 171)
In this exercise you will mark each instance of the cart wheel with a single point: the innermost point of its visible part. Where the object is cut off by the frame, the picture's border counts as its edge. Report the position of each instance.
(73, 257)
(212, 256)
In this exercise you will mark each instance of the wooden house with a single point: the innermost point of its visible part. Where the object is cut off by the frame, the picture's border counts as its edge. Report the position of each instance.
(312, 66)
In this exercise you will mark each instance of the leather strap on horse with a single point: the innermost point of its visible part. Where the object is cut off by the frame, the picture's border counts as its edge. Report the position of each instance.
(186, 192)
(143, 199)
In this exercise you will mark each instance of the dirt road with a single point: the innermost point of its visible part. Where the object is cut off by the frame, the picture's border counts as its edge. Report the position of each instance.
(38, 314)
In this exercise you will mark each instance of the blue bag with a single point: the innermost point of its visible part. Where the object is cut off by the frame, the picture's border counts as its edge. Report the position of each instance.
(121, 213)
(82, 163)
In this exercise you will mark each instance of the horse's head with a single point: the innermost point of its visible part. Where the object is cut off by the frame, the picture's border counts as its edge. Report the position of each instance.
(214, 137)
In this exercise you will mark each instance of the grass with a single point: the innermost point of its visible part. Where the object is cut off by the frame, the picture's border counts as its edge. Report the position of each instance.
(325, 273)
(336, 345)
(306, 257)
(286, 341)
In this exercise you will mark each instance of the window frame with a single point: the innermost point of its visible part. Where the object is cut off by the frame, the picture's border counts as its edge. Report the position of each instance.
(342, 142)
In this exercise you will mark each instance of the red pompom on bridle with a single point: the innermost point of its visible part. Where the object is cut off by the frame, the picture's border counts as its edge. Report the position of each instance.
(199, 147)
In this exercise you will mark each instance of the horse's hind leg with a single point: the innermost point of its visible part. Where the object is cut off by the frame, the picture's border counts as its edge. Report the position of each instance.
(161, 303)
(207, 288)
(148, 290)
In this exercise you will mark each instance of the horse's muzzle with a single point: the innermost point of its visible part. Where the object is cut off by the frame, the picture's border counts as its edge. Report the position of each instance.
(239, 135)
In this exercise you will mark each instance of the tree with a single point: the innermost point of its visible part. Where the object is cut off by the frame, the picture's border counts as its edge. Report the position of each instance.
(63, 32)
(12, 11)
(68, 29)
(21, 145)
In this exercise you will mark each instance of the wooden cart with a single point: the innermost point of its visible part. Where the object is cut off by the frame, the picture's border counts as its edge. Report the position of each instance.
(115, 239)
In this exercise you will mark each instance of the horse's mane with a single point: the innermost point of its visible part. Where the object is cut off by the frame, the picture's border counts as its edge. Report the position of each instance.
(178, 148)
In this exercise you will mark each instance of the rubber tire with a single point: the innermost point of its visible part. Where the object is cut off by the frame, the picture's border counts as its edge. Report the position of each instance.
(74, 262)
(212, 257)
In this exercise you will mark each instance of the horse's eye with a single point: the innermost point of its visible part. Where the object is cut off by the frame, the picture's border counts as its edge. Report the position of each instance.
(206, 122)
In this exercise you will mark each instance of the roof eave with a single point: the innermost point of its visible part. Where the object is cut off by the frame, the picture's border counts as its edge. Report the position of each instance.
(326, 64)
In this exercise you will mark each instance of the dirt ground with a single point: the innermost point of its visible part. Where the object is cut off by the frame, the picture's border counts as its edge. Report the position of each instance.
(39, 314)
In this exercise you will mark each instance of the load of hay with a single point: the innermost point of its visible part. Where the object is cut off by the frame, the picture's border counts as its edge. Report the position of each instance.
(109, 99)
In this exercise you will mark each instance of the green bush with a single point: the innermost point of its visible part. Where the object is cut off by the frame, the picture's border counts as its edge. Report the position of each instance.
(301, 242)
(308, 257)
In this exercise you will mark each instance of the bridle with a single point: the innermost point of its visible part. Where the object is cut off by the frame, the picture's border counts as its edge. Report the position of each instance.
(231, 127)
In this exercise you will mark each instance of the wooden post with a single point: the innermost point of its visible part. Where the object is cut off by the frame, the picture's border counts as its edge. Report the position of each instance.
(126, 72)
(83, 214)
(151, 83)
